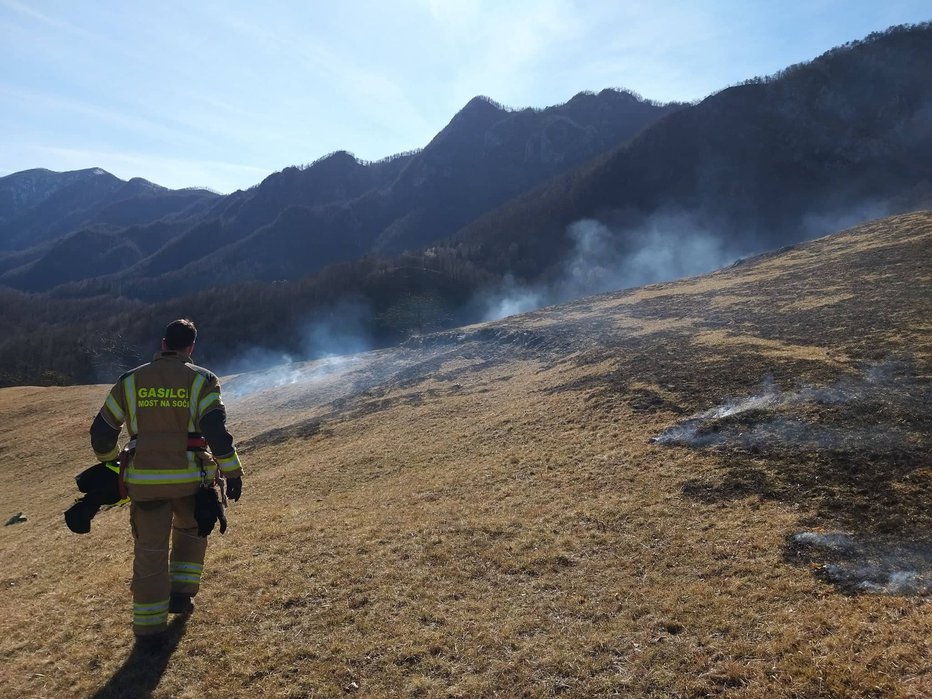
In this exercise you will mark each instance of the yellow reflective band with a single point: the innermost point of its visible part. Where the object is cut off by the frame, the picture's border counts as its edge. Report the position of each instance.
(147, 607)
(167, 476)
(129, 395)
(165, 480)
(108, 456)
(151, 620)
(160, 471)
(181, 565)
(209, 399)
(229, 463)
(115, 409)
(186, 577)
(196, 387)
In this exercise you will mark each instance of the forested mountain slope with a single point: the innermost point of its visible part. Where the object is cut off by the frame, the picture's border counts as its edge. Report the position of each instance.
(821, 145)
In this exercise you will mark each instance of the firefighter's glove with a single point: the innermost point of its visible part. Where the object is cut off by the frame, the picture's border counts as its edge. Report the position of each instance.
(234, 488)
(208, 510)
(78, 517)
(100, 485)
(101, 482)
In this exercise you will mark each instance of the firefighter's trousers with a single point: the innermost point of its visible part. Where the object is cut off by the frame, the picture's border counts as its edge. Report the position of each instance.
(156, 574)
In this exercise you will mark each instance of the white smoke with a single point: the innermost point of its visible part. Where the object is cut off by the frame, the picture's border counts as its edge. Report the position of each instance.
(334, 336)
(879, 382)
(898, 582)
(768, 397)
(833, 541)
(511, 299)
(287, 374)
(667, 246)
(817, 224)
(339, 330)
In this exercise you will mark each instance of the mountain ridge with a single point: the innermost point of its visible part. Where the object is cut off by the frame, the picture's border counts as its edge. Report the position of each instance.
(395, 200)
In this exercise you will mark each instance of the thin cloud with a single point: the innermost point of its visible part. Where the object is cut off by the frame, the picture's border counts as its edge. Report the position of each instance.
(76, 107)
(34, 14)
(499, 49)
(369, 97)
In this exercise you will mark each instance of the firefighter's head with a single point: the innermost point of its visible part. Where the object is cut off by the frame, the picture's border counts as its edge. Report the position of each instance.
(179, 336)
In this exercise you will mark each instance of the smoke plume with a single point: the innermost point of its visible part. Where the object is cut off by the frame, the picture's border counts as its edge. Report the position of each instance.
(667, 246)
(335, 336)
(512, 299)
(287, 373)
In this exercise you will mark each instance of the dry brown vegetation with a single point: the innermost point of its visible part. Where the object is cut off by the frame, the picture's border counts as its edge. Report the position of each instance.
(483, 512)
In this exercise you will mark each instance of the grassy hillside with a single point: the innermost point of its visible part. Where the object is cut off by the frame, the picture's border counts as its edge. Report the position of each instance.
(715, 487)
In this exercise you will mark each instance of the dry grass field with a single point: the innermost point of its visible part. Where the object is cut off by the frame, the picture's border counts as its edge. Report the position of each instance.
(714, 487)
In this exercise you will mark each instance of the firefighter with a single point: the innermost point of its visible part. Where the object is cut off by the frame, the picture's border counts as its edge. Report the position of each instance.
(173, 413)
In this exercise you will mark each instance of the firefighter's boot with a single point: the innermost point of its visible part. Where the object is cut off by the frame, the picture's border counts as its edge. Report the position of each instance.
(180, 603)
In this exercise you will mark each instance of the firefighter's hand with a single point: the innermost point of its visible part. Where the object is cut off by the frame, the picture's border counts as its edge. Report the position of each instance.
(234, 488)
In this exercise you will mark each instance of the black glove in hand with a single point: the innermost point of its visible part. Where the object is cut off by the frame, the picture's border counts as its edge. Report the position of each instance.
(208, 510)
(78, 517)
(234, 488)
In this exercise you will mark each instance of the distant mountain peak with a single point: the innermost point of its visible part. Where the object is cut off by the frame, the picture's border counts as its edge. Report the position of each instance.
(340, 157)
(478, 114)
(480, 106)
(143, 183)
(608, 92)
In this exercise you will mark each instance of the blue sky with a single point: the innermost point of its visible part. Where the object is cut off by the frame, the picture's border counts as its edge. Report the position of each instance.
(223, 93)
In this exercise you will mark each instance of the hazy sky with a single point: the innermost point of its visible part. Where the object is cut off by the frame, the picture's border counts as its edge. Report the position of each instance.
(222, 93)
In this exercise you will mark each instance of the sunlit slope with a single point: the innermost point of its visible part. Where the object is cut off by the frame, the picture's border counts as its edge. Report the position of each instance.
(718, 486)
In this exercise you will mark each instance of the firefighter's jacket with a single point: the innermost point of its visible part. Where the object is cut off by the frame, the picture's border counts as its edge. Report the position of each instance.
(166, 404)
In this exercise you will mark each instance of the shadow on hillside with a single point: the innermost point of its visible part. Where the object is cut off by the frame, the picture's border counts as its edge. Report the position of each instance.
(143, 669)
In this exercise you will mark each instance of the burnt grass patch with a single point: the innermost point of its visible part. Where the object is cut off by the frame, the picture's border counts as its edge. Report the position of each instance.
(851, 450)
(853, 453)
(873, 564)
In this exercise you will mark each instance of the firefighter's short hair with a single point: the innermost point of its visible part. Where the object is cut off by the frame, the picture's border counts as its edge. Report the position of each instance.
(180, 334)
